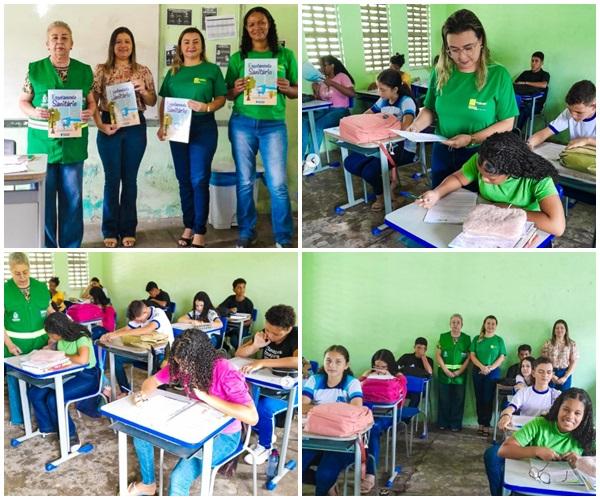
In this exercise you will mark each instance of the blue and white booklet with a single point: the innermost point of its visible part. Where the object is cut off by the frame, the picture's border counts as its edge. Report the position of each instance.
(64, 108)
(177, 119)
(122, 104)
(261, 88)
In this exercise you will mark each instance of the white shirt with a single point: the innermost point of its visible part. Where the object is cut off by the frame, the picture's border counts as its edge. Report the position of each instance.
(159, 317)
(532, 403)
(583, 128)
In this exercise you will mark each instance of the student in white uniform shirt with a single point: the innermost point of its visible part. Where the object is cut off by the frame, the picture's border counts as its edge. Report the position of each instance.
(143, 320)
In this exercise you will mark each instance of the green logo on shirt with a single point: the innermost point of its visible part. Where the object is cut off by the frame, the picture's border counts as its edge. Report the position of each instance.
(199, 80)
(16, 317)
(476, 105)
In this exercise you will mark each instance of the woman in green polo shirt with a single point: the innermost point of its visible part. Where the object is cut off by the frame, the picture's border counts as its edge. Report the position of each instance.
(26, 304)
(508, 173)
(487, 354)
(192, 77)
(64, 177)
(254, 128)
(452, 356)
(469, 97)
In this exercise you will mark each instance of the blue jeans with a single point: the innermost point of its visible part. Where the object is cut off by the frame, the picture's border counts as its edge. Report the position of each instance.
(121, 361)
(43, 399)
(121, 155)
(485, 387)
(559, 372)
(329, 465)
(187, 470)
(248, 137)
(324, 118)
(267, 408)
(379, 427)
(445, 161)
(14, 400)
(64, 184)
(192, 167)
(494, 468)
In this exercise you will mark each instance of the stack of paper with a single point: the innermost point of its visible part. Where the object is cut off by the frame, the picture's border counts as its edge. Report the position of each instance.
(15, 163)
(239, 317)
(453, 208)
(45, 361)
(467, 240)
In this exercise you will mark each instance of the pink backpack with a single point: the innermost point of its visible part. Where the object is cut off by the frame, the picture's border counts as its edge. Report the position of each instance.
(84, 312)
(338, 420)
(380, 389)
(368, 128)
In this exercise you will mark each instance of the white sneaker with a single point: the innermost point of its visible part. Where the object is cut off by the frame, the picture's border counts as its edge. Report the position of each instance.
(259, 455)
(311, 164)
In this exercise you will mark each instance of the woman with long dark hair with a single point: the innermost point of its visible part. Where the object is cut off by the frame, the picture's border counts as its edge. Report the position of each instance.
(562, 351)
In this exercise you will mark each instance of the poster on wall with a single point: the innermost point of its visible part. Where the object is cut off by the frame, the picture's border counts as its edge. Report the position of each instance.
(222, 54)
(207, 12)
(179, 17)
(218, 27)
(170, 55)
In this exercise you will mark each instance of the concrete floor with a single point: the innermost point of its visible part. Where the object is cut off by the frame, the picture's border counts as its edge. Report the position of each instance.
(323, 228)
(96, 473)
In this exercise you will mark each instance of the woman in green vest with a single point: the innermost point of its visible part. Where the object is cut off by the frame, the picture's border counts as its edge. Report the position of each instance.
(452, 356)
(26, 305)
(64, 178)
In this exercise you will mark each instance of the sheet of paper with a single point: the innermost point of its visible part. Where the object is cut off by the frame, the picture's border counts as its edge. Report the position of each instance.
(14, 164)
(453, 208)
(419, 137)
(218, 27)
(466, 240)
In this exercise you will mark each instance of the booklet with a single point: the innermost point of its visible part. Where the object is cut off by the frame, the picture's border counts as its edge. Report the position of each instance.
(64, 107)
(177, 119)
(122, 104)
(261, 89)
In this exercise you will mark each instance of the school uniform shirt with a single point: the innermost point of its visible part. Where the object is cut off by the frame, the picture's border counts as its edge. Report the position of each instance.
(245, 306)
(409, 364)
(337, 99)
(535, 77)
(316, 389)
(521, 192)
(462, 109)
(157, 316)
(541, 432)
(583, 128)
(403, 106)
(531, 403)
(285, 348)
(488, 349)
(201, 82)
(520, 380)
(454, 353)
(73, 346)
(211, 315)
(561, 355)
(227, 383)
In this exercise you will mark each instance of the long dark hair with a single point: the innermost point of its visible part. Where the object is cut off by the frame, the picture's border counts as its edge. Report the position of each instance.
(62, 325)
(392, 78)
(208, 305)
(584, 434)
(178, 58)
(110, 60)
(272, 38)
(567, 339)
(192, 360)
(99, 297)
(338, 66)
(532, 363)
(340, 349)
(387, 357)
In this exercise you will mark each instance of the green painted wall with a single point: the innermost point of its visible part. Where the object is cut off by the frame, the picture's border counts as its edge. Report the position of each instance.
(369, 301)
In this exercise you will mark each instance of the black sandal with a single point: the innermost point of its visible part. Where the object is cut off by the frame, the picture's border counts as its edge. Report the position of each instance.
(184, 242)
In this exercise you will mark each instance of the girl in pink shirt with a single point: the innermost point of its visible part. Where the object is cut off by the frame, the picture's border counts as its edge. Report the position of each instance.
(205, 376)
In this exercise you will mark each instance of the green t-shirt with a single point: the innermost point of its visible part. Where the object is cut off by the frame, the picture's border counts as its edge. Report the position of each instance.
(201, 82)
(462, 109)
(521, 192)
(73, 348)
(454, 355)
(488, 349)
(541, 432)
(287, 68)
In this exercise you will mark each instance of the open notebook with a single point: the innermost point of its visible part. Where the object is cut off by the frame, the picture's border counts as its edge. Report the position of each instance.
(453, 208)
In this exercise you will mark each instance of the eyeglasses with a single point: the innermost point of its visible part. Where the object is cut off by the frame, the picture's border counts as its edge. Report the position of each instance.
(467, 49)
(545, 477)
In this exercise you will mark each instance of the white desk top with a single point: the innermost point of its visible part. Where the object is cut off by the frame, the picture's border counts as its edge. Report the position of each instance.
(15, 363)
(264, 376)
(315, 104)
(371, 93)
(550, 152)
(186, 326)
(36, 169)
(518, 421)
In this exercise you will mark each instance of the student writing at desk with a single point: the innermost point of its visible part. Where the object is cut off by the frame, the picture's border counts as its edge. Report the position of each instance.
(203, 313)
(508, 173)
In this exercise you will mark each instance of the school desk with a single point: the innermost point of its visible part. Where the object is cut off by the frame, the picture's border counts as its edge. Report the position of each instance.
(531, 98)
(54, 378)
(501, 391)
(179, 328)
(264, 378)
(408, 221)
(309, 108)
(517, 480)
(232, 320)
(24, 198)
(419, 89)
(189, 434)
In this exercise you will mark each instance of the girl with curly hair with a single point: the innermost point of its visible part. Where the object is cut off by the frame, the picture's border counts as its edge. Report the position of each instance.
(205, 375)
(507, 172)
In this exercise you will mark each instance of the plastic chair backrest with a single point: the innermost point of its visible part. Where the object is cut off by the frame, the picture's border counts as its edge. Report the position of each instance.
(561, 191)
(171, 308)
(314, 366)
(254, 314)
(416, 384)
(224, 320)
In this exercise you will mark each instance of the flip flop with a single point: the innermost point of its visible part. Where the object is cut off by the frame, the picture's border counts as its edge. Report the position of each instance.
(111, 242)
(132, 490)
(128, 242)
(184, 242)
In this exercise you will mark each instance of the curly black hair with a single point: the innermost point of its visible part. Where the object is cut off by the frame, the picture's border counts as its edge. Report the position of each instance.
(504, 153)
(192, 360)
(282, 316)
(398, 60)
(272, 38)
(54, 280)
(584, 434)
(387, 357)
(60, 324)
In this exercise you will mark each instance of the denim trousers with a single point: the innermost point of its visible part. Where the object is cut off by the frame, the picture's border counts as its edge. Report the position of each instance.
(381, 425)
(329, 465)
(445, 161)
(64, 205)
(14, 400)
(559, 372)
(267, 408)
(121, 155)
(494, 468)
(451, 405)
(324, 118)
(187, 470)
(485, 387)
(269, 137)
(121, 376)
(192, 168)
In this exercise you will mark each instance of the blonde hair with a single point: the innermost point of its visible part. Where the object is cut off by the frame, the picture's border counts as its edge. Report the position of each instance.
(59, 24)
(18, 258)
(178, 59)
(482, 331)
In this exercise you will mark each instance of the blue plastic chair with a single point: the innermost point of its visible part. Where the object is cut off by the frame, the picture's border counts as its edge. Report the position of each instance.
(170, 311)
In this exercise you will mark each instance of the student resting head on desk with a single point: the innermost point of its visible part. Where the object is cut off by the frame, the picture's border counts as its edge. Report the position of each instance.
(203, 313)
(565, 433)
(208, 377)
(508, 173)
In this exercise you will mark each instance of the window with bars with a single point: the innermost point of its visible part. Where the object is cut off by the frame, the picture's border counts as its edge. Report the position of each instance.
(77, 263)
(419, 35)
(374, 20)
(41, 266)
(321, 33)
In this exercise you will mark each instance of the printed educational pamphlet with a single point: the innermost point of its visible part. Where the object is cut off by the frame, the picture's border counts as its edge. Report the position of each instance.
(261, 88)
(122, 104)
(177, 119)
(64, 108)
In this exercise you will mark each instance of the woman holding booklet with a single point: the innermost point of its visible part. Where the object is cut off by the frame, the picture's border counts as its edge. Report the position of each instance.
(123, 89)
(202, 85)
(58, 101)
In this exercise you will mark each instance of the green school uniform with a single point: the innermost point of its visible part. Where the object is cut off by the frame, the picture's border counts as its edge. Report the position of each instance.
(72, 348)
(462, 109)
(23, 320)
(541, 432)
(488, 350)
(519, 191)
(287, 68)
(43, 77)
(202, 82)
(454, 355)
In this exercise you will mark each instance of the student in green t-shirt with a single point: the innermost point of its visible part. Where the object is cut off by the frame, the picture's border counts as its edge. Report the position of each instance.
(469, 97)
(254, 128)
(192, 77)
(508, 173)
(565, 433)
